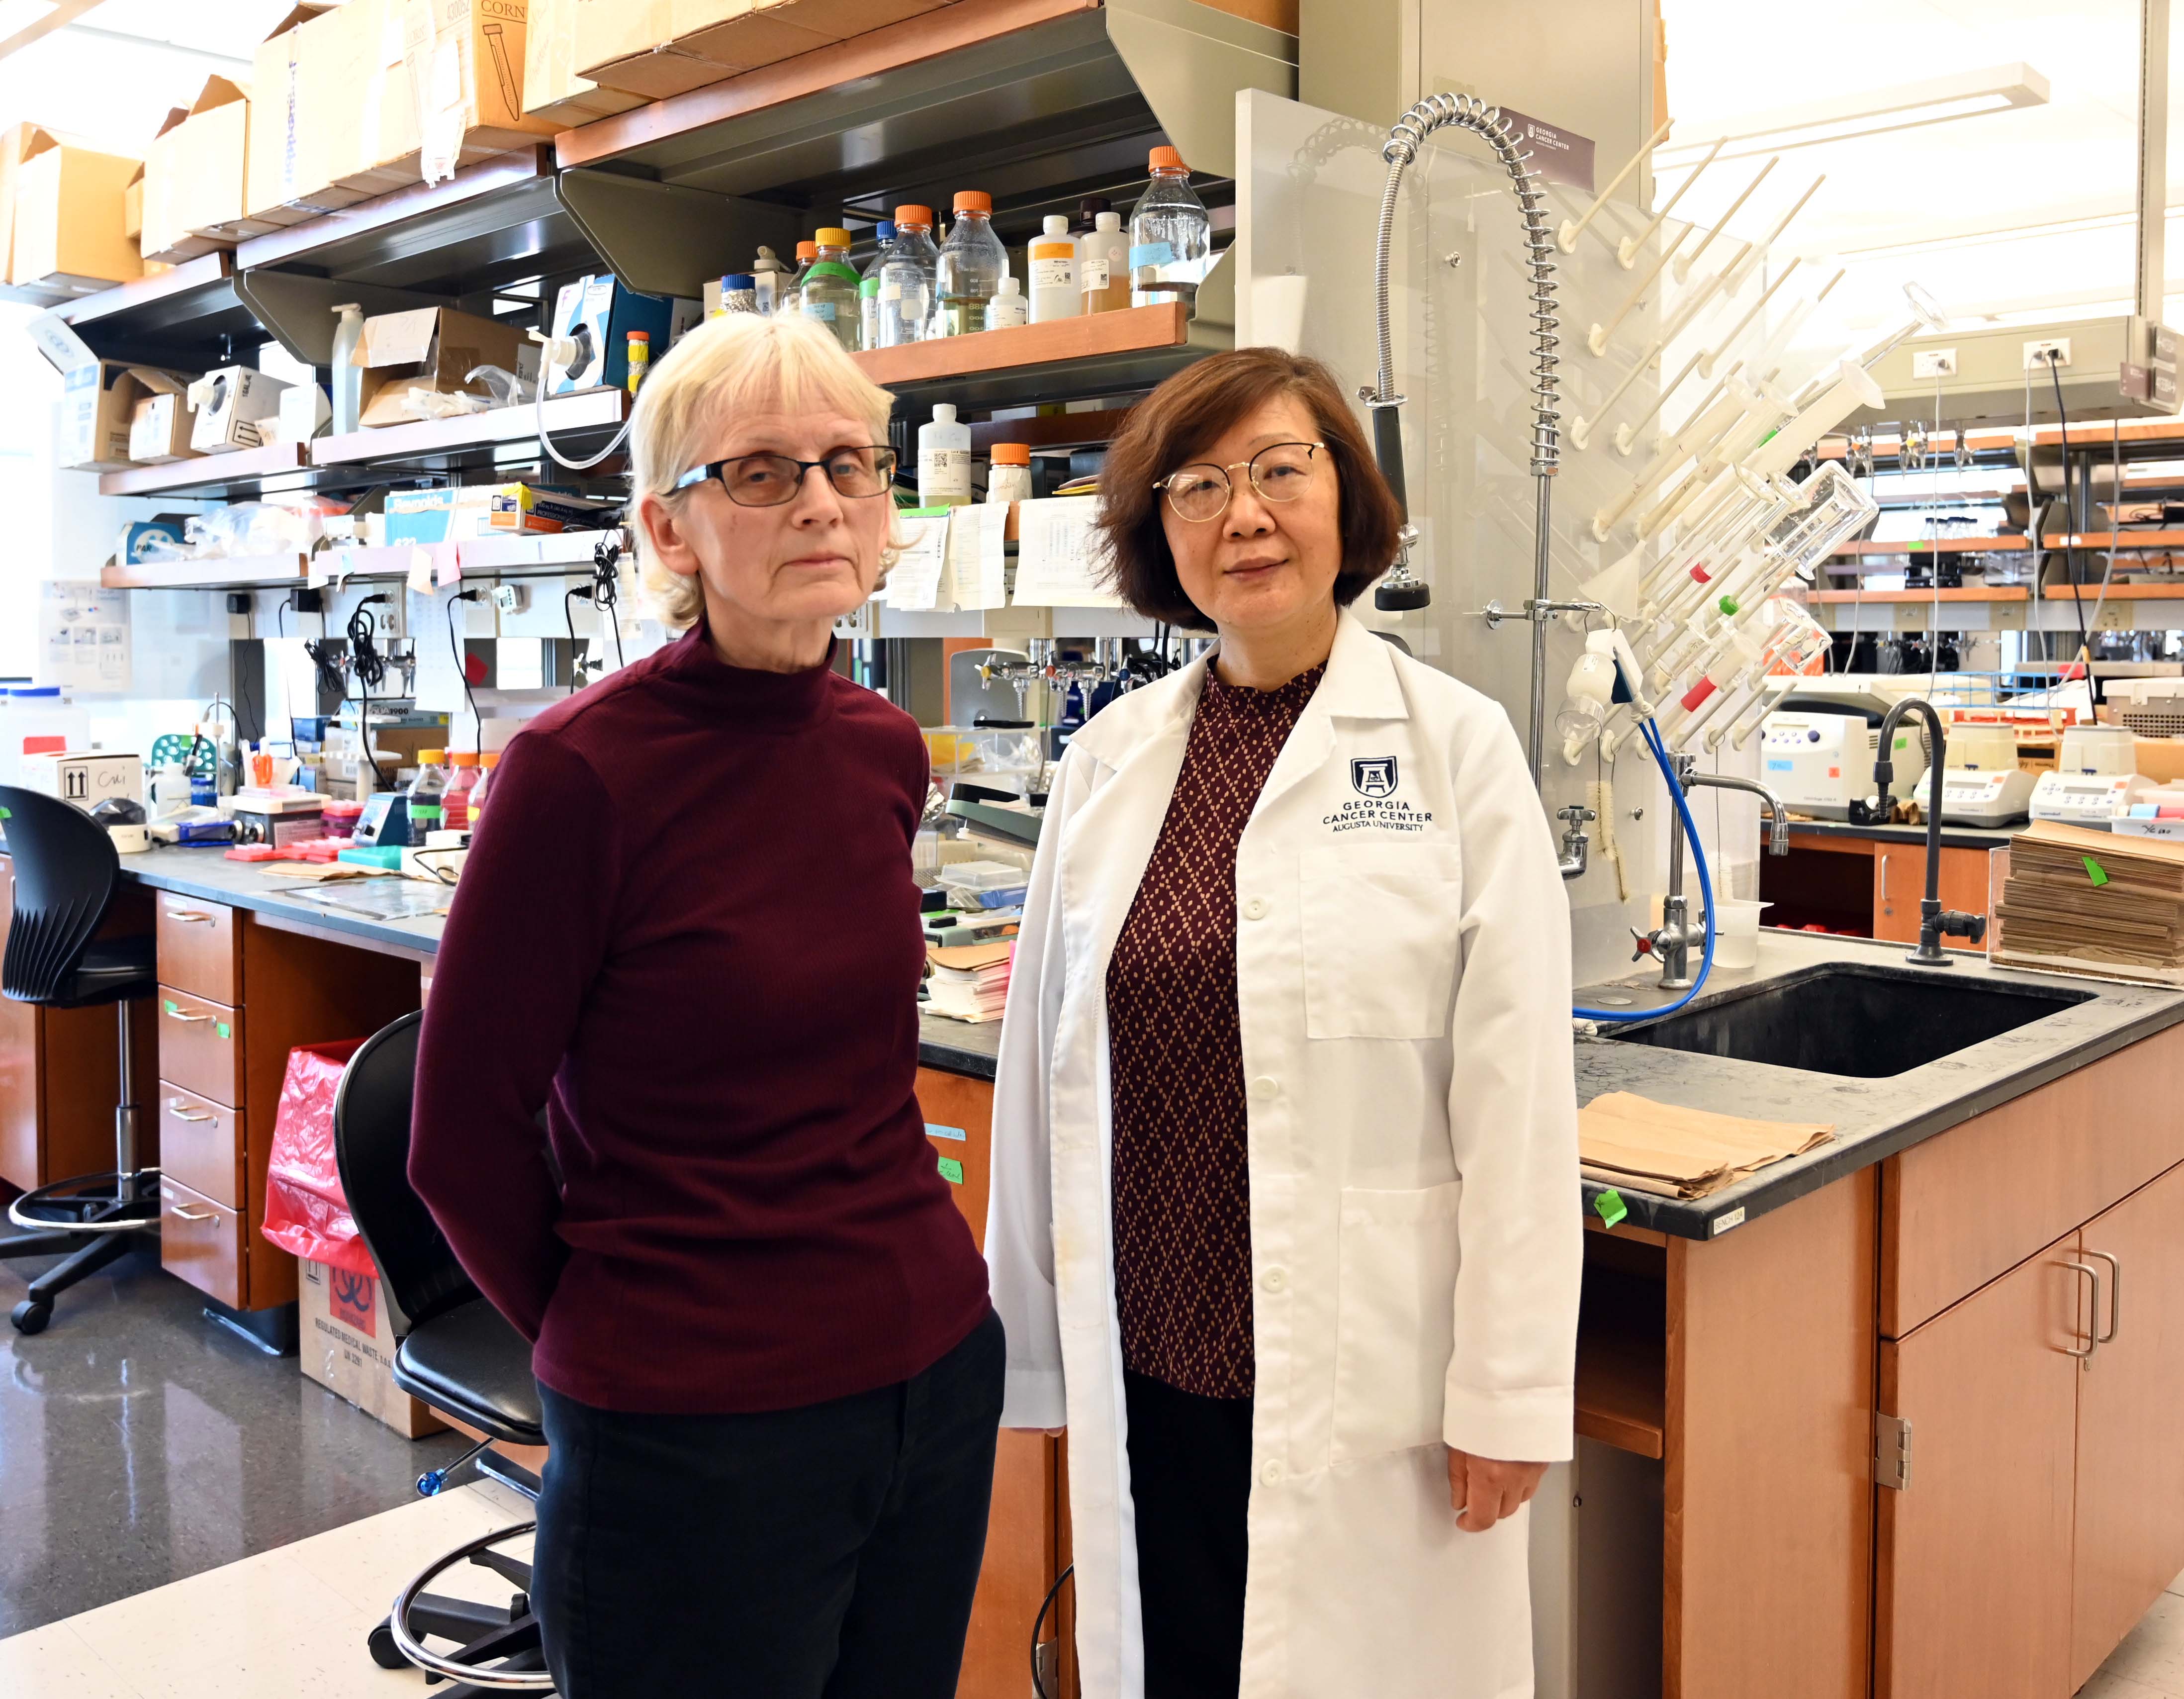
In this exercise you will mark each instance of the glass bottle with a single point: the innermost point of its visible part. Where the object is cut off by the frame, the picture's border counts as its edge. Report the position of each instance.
(486, 762)
(868, 287)
(829, 288)
(906, 279)
(792, 295)
(973, 263)
(461, 787)
(1170, 235)
(739, 292)
(427, 793)
(1088, 213)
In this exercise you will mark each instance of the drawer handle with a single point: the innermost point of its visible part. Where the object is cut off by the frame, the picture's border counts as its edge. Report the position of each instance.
(188, 915)
(174, 1108)
(181, 1214)
(175, 1014)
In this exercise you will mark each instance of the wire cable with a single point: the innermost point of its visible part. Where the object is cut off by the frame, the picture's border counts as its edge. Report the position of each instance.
(1038, 1622)
(462, 667)
(367, 667)
(569, 616)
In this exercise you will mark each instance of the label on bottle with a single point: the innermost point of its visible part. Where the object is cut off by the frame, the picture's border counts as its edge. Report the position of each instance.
(1093, 275)
(1053, 274)
(868, 317)
(765, 291)
(822, 310)
(890, 292)
(1144, 253)
(1006, 311)
(944, 476)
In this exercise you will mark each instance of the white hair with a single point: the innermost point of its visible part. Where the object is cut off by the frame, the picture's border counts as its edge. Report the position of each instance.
(737, 363)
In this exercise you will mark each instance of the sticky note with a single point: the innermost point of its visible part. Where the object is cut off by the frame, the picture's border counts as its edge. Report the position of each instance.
(951, 1170)
(2094, 871)
(1609, 1206)
(934, 1130)
(221, 1028)
(171, 1006)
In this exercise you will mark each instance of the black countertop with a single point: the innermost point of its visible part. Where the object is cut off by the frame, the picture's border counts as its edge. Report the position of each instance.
(1873, 1119)
(1953, 837)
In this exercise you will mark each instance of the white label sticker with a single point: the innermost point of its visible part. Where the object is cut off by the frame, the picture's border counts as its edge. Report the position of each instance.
(1094, 275)
(1734, 1218)
(1053, 274)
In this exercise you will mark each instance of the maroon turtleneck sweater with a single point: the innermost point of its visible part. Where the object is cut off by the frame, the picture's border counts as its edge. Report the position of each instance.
(688, 929)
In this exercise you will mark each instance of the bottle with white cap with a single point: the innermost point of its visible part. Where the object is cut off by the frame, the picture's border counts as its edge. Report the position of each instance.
(1007, 306)
(944, 460)
(1103, 264)
(1053, 268)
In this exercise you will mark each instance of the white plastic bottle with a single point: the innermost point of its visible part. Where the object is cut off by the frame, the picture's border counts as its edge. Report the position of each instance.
(944, 460)
(1007, 306)
(769, 280)
(348, 376)
(1171, 235)
(1103, 264)
(1052, 259)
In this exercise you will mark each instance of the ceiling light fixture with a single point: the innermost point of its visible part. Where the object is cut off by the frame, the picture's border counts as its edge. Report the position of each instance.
(1875, 112)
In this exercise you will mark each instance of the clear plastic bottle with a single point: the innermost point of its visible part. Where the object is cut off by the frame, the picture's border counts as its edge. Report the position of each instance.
(486, 762)
(973, 263)
(427, 793)
(1051, 260)
(868, 286)
(944, 460)
(348, 375)
(1103, 264)
(461, 787)
(829, 288)
(769, 280)
(1170, 235)
(792, 293)
(906, 279)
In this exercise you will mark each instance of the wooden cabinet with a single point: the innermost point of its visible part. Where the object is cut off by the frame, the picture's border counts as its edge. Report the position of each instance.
(201, 1144)
(201, 1046)
(200, 947)
(201, 1240)
(1868, 886)
(1973, 1582)
(2130, 1508)
(1899, 883)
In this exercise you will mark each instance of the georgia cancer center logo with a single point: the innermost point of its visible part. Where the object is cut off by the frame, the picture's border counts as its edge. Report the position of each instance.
(1373, 775)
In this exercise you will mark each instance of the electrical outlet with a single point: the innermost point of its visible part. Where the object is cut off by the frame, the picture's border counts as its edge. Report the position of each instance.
(2046, 351)
(511, 599)
(1928, 363)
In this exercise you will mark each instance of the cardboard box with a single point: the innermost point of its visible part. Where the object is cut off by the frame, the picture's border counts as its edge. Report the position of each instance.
(98, 412)
(132, 209)
(356, 83)
(347, 1345)
(69, 218)
(287, 175)
(195, 172)
(230, 404)
(433, 348)
(466, 59)
(663, 47)
(552, 89)
(2162, 759)
(86, 777)
(477, 510)
(160, 425)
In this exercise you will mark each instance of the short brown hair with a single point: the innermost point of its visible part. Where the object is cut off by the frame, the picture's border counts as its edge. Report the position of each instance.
(1192, 409)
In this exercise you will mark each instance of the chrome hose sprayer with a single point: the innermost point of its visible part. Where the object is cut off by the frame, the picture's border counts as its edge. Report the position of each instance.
(1402, 589)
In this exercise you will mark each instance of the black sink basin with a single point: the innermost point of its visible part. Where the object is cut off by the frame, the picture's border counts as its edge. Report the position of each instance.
(1844, 1018)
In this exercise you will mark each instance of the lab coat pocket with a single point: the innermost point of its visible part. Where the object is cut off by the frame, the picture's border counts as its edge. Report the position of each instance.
(1395, 1327)
(1380, 939)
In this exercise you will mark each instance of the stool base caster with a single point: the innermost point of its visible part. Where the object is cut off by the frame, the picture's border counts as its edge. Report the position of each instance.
(31, 1317)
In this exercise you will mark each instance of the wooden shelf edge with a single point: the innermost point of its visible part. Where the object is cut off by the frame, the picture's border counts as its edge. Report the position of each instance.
(1622, 1394)
(139, 291)
(1134, 329)
(2116, 593)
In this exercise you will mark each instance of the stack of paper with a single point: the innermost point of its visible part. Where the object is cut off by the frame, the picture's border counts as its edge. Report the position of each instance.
(968, 981)
(2078, 902)
(1635, 1144)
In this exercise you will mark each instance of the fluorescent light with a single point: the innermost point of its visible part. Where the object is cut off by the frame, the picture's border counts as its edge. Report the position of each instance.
(1905, 106)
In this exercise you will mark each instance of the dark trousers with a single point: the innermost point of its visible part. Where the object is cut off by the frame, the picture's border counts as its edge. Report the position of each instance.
(827, 1552)
(1190, 1488)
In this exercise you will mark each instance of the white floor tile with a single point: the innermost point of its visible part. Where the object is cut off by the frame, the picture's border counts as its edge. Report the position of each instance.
(2152, 1653)
(2104, 1686)
(367, 1561)
(56, 1663)
(2177, 1585)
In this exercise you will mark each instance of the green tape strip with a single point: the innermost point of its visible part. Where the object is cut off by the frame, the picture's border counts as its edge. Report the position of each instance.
(221, 1028)
(171, 1006)
(2094, 871)
(1610, 1207)
(951, 1170)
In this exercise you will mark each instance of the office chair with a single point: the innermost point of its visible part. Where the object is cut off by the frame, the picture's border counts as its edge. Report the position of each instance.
(458, 1354)
(66, 873)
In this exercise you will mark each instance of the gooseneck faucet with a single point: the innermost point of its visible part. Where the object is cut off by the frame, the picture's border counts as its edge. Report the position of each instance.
(1935, 922)
(1672, 940)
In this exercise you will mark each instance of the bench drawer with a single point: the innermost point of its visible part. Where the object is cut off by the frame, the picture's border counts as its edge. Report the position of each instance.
(201, 1144)
(201, 1046)
(201, 1241)
(200, 948)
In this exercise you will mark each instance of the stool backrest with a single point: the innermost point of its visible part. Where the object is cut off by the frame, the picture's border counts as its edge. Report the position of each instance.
(371, 1149)
(66, 870)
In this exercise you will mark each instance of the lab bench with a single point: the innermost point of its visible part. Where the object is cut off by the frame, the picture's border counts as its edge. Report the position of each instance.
(1866, 881)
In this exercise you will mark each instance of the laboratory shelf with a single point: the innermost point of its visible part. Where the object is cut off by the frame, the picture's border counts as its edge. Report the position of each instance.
(1988, 544)
(580, 424)
(1969, 593)
(1067, 359)
(245, 472)
(2090, 591)
(552, 554)
(241, 573)
(189, 318)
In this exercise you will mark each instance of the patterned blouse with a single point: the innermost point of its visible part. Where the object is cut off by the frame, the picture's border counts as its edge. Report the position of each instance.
(1182, 1178)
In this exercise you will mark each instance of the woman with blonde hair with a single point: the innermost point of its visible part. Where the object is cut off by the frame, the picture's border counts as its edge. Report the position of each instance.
(770, 1371)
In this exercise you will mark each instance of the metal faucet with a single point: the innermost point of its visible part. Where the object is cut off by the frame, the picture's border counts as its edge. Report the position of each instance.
(1672, 940)
(1577, 847)
(1935, 922)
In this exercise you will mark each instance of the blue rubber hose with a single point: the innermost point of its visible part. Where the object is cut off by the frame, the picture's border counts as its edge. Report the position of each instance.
(1706, 892)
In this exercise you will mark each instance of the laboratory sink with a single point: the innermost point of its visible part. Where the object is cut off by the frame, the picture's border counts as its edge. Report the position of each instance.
(1867, 1022)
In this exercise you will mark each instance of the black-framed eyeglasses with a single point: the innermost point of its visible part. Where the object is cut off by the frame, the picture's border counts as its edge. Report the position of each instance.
(1281, 472)
(773, 480)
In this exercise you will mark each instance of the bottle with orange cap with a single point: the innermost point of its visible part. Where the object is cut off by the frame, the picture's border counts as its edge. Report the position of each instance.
(792, 297)
(1171, 235)
(830, 288)
(973, 263)
(906, 279)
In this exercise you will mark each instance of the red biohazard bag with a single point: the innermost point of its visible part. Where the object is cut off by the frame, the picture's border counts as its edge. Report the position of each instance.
(305, 1211)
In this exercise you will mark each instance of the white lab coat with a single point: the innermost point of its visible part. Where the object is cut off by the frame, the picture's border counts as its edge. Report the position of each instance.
(1403, 973)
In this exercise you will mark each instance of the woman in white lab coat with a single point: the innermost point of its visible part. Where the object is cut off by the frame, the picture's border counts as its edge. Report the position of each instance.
(1284, 1221)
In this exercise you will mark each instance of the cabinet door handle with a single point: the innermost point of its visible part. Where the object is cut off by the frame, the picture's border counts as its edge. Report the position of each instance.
(174, 1108)
(2092, 1315)
(177, 1015)
(2115, 1291)
(1887, 908)
(181, 1214)
(188, 915)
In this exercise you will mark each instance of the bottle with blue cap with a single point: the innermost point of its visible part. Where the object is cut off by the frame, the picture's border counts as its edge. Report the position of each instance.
(868, 289)
(739, 292)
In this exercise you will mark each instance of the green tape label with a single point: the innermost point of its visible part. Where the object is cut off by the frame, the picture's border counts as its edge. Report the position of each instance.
(1609, 1206)
(2094, 871)
(171, 1006)
(951, 1170)
(221, 1028)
